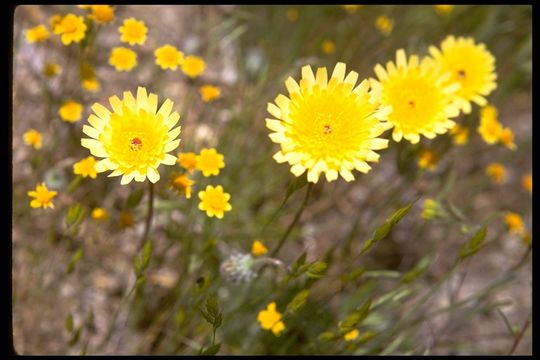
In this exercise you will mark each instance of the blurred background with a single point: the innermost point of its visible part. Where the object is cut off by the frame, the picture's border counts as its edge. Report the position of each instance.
(68, 286)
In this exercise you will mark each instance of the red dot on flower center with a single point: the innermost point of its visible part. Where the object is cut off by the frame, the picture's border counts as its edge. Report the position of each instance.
(136, 143)
(461, 73)
(327, 129)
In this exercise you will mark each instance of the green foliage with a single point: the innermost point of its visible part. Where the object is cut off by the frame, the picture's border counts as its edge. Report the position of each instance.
(474, 244)
(142, 259)
(298, 301)
(74, 260)
(211, 313)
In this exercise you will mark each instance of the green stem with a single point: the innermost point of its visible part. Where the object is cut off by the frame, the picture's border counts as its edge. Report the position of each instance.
(295, 220)
(148, 215)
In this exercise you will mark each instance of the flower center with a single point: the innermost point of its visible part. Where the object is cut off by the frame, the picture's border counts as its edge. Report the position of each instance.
(135, 144)
(411, 104)
(327, 129)
(461, 74)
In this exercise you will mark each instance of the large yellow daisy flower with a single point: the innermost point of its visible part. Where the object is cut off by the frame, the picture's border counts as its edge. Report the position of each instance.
(134, 138)
(420, 97)
(470, 64)
(327, 126)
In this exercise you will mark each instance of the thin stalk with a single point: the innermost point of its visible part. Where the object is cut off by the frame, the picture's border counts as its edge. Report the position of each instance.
(149, 215)
(520, 336)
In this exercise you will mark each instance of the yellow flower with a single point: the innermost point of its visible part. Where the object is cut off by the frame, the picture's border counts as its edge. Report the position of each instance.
(428, 160)
(71, 111)
(514, 222)
(37, 34)
(134, 139)
(42, 197)
(526, 237)
(133, 31)
(85, 7)
(292, 14)
(506, 137)
(444, 9)
(209, 161)
(126, 219)
(52, 69)
(214, 201)
(490, 128)
(99, 213)
(91, 84)
(258, 248)
(187, 160)
(497, 172)
(351, 335)
(470, 64)
(351, 8)
(33, 137)
(55, 20)
(526, 182)
(328, 47)
(193, 66)
(270, 319)
(102, 13)
(168, 57)
(460, 134)
(123, 59)
(89, 80)
(384, 24)
(86, 167)
(433, 209)
(421, 99)
(209, 92)
(182, 184)
(72, 28)
(327, 126)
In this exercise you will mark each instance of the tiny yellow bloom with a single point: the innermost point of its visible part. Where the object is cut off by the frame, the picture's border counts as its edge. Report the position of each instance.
(526, 237)
(258, 248)
(526, 182)
(490, 128)
(270, 319)
(187, 160)
(514, 222)
(99, 213)
(52, 69)
(37, 34)
(428, 160)
(384, 24)
(102, 13)
(123, 59)
(72, 29)
(506, 137)
(193, 66)
(292, 14)
(433, 209)
(168, 57)
(214, 201)
(497, 172)
(351, 8)
(55, 20)
(86, 167)
(133, 31)
(91, 84)
(460, 134)
(126, 219)
(71, 111)
(328, 47)
(209, 92)
(85, 7)
(209, 161)
(444, 9)
(351, 335)
(33, 137)
(42, 197)
(182, 184)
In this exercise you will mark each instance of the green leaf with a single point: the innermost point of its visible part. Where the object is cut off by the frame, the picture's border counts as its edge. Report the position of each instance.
(327, 336)
(75, 338)
(75, 215)
(472, 246)
(142, 259)
(383, 230)
(134, 199)
(298, 301)
(317, 269)
(212, 314)
(353, 275)
(418, 270)
(69, 322)
(355, 318)
(74, 260)
(212, 350)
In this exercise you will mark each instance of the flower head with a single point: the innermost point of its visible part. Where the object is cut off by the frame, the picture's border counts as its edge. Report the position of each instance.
(351, 335)
(238, 268)
(209, 161)
(497, 172)
(514, 222)
(428, 160)
(432, 209)
(55, 20)
(384, 24)
(327, 126)
(42, 197)
(490, 128)
(89, 80)
(72, 29)
(351, 8)
(37, 34)
(134, 138)
(214, 201)
(187, 160)
(328, 47)
(182, 184)
(33, 137)
(420, 96)
(86, 167)
(258, 248)
(99, 213)
(526, 182)
(51, 69)
(209, 92)
(123, 59)
(168, 57)
(270, 319)
(193, 66)
(133, 31)
(460, 134)
(102, 13)
(469, 64)
(506, 137)
(71, 111)
(91, 84)
(444, 9)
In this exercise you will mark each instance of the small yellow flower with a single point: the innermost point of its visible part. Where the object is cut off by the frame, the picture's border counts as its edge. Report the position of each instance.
(526, 237)
(102, 13)
(460, 134)
(270, 319)
(258, 248)
(37, 34)
(328, 47)
(490, 128)
(89, 80)
(33, 137)
(444, 9)
(55, 20)
(506, 137)
(351, 8)
(526, 182)
(384, 24)
(168, 57)
(351, 335)
(209, 161)
(99, 213)
(52, 69)
(182, 184)
(187, 160)
(91, 84)
(71, 111)
(428, 160)
(72, 29)
(214, 201)
(209, 92)
(123, 59)
(85, 7)
(497, 172)
(133, 31)
(86, 167)
(42, 197)
(514, 222)
(193, 66)
(433, 209)
(126, 219)
(292, 14)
